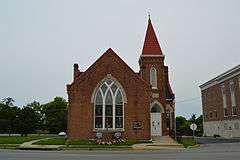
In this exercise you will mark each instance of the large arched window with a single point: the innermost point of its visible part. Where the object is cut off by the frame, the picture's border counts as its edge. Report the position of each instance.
(153, 77)
(108, 106)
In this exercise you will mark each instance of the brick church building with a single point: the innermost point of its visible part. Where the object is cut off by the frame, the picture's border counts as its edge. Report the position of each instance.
(110, 98)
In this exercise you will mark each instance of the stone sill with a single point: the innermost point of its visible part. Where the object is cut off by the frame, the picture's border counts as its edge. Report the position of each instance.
(108, 130)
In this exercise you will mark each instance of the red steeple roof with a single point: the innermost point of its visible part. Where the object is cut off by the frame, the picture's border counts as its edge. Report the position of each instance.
(151, 45)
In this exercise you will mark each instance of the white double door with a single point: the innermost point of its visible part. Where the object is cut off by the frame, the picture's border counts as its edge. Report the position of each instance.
(156, 124)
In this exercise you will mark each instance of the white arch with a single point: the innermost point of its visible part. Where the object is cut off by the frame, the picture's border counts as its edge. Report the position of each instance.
(109, 76)
(159, 104)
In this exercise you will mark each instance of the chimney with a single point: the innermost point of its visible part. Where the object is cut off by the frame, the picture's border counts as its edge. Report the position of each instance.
(76, 71)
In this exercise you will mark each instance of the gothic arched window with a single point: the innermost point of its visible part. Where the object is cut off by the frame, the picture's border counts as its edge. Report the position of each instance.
(153, 77)
(108, 106)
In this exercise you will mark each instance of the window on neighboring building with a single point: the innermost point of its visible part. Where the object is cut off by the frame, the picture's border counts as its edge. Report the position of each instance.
(225, 126)
(224, 97)
(232, 91)
(225, 112)
(211, 115)
(236, 125)
(234, 110)
(216, 114)
(109, 106)
(153, 77)
(206, 116)
(204, 97)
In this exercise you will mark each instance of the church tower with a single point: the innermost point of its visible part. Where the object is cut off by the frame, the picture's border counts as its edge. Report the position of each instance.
(153, 71)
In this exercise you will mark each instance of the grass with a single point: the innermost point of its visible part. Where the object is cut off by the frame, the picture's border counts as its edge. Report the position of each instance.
(52, 141)
(187, 141)
(17, 139)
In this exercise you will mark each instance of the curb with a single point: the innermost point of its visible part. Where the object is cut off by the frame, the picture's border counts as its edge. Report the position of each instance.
(195, 146)
(9, 146)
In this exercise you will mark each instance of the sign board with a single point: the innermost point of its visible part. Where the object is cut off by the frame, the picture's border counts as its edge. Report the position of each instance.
(193, 126)
(117, 135)
(137, 125)
(99, 135)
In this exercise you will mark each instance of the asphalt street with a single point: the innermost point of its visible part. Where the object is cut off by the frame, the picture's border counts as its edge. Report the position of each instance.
(229, 151)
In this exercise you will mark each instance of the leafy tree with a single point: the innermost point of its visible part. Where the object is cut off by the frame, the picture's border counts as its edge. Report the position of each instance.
(27, 121)
(8, 115)
(199, 123)
(182, 126)
(8, 101)
(36, 106)
(4, 119)
(193, 118)
(55, 115)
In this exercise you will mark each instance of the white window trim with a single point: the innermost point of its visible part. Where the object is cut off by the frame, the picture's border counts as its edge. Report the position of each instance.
(232, 93)
(224, 99)
(104, 107)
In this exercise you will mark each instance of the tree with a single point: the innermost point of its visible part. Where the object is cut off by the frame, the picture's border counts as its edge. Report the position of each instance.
(199, 123)
(8, 101)
(193, 118)
(182, 126)
(55, 115)
(27, 121)
(8, 115)
(36, 106)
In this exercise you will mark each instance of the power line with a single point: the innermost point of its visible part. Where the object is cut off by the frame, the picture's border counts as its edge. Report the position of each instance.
(189, 100)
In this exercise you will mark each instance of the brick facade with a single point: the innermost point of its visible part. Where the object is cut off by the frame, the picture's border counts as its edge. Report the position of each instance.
(137, 89)
(213, 107)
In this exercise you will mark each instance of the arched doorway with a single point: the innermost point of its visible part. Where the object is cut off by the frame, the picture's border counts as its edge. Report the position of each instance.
(156, 119)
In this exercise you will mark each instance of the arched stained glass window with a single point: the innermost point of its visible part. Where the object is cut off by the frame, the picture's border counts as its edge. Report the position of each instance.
(98, 110)
(109, 106)
(153, 77)
(119, 110)
(99, 99)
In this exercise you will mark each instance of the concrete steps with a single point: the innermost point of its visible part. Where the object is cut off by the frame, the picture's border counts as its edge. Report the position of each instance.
(163, 142)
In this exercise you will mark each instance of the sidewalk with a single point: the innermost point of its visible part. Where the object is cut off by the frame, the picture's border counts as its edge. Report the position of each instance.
(164, 142)
(29, 145)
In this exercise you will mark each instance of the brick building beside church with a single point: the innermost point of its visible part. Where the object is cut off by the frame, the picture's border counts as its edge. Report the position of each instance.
(109, 97)
(221, 104)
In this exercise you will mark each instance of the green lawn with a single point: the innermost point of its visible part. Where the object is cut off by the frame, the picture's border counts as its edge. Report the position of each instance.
(17, 139)
(187, 141)
(52, 141)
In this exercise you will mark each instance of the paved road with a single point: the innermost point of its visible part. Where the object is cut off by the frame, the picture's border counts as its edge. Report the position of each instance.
(207, 140)
(229, 151)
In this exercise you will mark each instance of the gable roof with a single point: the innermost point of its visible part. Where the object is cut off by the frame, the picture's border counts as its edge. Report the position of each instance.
(105, 54)
(151, 45)
(235, 71)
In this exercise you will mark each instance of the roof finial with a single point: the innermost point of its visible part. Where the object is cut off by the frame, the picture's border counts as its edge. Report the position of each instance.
(149, 16)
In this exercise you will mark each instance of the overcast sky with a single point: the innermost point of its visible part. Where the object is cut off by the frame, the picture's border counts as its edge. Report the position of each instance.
(40, 40)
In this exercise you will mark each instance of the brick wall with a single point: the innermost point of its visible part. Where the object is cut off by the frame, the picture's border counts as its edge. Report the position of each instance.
(212, 100)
